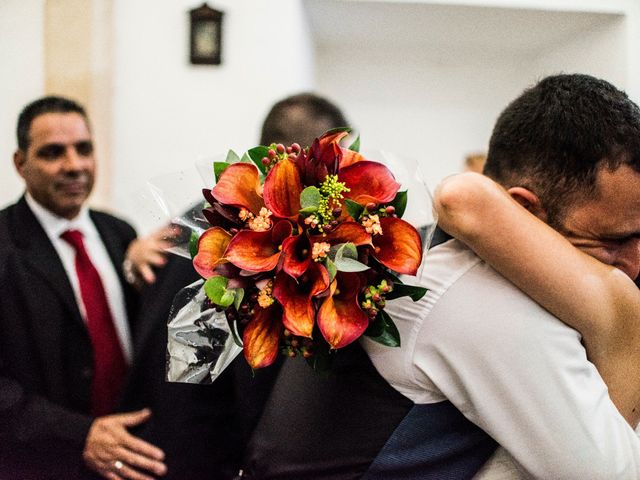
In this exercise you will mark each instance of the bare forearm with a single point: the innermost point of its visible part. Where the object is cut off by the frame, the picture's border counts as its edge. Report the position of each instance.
(596, 299)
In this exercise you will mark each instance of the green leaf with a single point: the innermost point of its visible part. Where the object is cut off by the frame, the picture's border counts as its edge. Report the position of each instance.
(404, 290)
(238, 299)
(346, 259)
(218, 168)
(354, 209)
(310, 197)
(193, 244)
(355, 146)
(232, 157)
(245, 158)
(383, 330)
(216, 290)
(400, 203)
(308, 210)
(257, 154)
(227, 298)
(331, 268)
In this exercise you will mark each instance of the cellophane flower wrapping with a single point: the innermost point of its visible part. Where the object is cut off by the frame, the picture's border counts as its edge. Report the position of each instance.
(302, 250)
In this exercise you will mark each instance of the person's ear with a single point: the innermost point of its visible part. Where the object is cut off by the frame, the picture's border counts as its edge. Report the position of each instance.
(19, 158)
(529, 200)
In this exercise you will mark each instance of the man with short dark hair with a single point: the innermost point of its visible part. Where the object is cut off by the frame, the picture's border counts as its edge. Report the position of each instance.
(300, 118)
(65, 336)
(483, 364)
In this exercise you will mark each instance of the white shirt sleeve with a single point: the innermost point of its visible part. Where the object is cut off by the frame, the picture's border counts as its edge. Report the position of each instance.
(523, 377)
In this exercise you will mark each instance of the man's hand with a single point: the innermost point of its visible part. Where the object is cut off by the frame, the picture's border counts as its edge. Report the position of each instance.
(115, 454)
(144, 253)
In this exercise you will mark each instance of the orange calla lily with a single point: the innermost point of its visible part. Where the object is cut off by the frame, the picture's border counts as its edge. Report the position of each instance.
(340, 318)
(327, 151)
(296, 298)
(282, 189)
(211, 247)
(369, 182)
(399, 247)
(239, 185)
(261, 337)
(345, 232)
(296, 253)
(258, 251)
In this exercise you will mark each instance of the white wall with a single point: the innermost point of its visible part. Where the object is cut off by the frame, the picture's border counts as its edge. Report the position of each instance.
(438, 101)
(420, 105)
(601, 51)
(168, 113)
(22, 79)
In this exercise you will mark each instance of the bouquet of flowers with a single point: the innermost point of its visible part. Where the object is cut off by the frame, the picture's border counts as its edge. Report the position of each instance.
(303, 253)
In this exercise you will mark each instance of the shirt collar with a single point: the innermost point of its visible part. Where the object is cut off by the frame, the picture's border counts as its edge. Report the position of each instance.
(55, 225)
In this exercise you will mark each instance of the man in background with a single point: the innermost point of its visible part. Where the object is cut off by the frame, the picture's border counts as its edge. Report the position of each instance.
(203, 429)
(65, 334)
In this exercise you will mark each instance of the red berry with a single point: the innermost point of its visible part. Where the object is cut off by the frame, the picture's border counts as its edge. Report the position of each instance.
(296, 147)
(289, 150)
(390, 210)
(371, 206)
(271, 153)
(265, 161)
(280, 148)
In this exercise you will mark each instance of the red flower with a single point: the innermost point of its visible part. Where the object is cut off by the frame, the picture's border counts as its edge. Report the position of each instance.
(282, 189)
(261, 337)
(399, 247)
(340, 318)
(211, 247)
(239, 185)
(258, 251)
(297, 297)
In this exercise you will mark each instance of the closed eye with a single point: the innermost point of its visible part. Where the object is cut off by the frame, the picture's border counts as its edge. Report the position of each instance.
(51, 151)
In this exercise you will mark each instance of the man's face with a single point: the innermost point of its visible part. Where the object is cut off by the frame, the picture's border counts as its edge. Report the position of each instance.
(607, 225)
(58, 166)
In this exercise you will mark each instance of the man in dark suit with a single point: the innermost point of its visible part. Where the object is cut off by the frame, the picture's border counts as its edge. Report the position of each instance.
(65, 337)
(203, 429)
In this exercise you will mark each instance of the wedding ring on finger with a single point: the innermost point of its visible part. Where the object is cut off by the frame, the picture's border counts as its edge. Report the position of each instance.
(118, 465)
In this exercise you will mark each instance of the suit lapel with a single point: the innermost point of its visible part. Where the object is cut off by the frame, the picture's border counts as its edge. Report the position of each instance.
(41, 256)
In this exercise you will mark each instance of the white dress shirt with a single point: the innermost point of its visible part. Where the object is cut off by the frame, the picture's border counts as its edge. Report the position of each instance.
(54, 226)
(510, 367)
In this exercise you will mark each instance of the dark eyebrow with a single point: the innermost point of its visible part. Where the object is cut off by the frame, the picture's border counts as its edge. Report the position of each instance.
(621, 237)
(50, 150)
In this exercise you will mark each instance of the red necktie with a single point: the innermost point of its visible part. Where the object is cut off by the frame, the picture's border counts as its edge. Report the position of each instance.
(109, 363)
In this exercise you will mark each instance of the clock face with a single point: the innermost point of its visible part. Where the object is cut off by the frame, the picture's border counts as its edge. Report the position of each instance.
(206, 39)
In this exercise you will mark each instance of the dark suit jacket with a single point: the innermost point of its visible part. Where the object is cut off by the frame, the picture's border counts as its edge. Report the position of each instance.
(46, 361)
(201, 428)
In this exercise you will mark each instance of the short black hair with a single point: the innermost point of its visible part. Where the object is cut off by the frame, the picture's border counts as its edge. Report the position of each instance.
(49, 104)
(554, 138)
(300, 118)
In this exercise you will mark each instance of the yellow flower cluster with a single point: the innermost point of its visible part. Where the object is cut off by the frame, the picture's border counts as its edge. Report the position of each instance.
(260, 223)
(245, 214)
(312, 221)
(331, 190)
(320, 250)
(264, 296)
(371, 224)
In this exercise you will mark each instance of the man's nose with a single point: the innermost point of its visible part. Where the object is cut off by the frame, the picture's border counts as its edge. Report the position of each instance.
(72, 160)
(628, 259)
